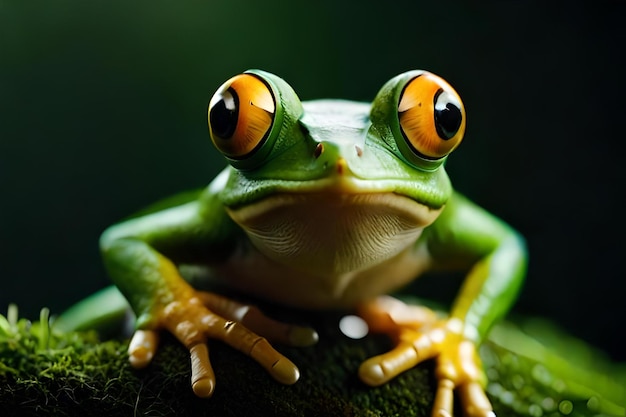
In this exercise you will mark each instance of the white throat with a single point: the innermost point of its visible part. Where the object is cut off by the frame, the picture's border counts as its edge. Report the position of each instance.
(333, 234)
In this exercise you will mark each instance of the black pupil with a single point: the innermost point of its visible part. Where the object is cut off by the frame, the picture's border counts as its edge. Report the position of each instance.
(225, 114)
(448, 116)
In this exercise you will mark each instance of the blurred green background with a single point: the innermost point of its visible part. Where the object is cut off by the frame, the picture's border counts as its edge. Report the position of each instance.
(103, 111)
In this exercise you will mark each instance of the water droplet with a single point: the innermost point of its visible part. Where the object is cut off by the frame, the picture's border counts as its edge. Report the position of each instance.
(535, 410)
(495, 389)
(507, 397)
(593, 404)
(566, 407)
(541, 374)
(548, 404)
(353, 326)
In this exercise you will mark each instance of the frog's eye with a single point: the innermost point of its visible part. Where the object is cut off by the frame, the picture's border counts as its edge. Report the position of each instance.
(241, 114)
(431, 115)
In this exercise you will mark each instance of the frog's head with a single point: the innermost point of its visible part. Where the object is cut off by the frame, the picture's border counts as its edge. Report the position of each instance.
(277, 144)
(378, 164)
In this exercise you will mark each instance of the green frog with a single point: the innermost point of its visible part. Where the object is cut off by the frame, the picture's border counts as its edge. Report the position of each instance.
(325, 204)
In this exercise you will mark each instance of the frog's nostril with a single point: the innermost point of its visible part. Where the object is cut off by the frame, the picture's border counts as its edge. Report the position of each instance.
(319, 149)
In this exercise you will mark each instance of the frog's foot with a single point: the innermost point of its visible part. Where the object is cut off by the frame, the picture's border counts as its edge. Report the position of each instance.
(208, 316)
(418, 336)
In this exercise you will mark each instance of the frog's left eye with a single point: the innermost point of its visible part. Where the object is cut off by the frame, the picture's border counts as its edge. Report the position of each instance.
(431, 115)
(241, 114)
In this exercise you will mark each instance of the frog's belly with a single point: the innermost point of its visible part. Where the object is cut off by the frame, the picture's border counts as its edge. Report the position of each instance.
(253, 273)
(328, 249)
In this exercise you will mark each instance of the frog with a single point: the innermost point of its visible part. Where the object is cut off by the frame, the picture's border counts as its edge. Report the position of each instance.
(324, 204)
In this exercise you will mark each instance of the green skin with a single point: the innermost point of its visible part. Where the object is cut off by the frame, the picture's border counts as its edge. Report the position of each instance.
(364, 154)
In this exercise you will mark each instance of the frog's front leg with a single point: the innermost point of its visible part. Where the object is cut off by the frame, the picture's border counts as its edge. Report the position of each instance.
(162, 300)
(419, 335)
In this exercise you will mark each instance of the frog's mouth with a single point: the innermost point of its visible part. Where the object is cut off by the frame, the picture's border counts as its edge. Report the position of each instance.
(330, 233)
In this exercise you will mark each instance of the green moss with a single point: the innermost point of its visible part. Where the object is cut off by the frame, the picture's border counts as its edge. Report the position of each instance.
(75, 374)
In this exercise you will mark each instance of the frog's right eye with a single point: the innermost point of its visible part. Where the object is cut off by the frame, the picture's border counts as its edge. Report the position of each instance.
(241, 114)
(431, 116)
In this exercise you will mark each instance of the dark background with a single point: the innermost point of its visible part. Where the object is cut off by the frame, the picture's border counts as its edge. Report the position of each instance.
(103, 110)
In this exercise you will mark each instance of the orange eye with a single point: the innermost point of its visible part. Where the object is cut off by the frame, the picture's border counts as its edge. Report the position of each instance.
(432, 117)
(241, 114)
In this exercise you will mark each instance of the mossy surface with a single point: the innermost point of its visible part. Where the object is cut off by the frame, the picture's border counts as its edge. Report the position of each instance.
(78, 375)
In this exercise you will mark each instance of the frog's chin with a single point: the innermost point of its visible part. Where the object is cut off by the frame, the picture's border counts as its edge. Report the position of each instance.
(333, 233)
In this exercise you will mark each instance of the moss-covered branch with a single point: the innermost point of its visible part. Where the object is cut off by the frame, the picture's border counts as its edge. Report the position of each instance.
(77, 375)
